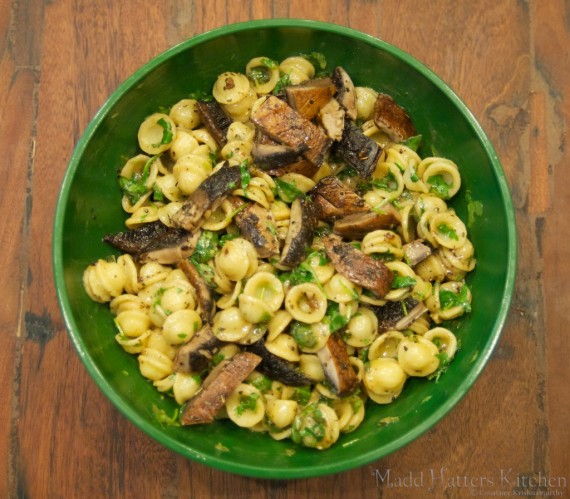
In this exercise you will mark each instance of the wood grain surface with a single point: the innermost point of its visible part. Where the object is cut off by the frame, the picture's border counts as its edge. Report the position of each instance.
(59, 61)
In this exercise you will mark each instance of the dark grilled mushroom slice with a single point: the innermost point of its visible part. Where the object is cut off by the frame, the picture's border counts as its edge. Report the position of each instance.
(276, 368)
(135, 240)
(217, 387)
(357, 267)
(257, 225)
(357, 150)
(215, 120)
(398, 315)
(207, 197)
(194, 356)
(336, 365)
(170, 251)
(415, 252)
(285, 125)
(271, 156)
(308, 98)
(392, 119)
(358, 225)
(303, 221)
(335, 200)
(203, 294)
(345, 91)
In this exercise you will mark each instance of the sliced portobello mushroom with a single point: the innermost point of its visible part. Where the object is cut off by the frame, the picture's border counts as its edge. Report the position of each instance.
(272, 156)
(415, 252)
(357, 225)
(358, 150)
(193, 357)
(207, 197)
(203, 293)
(345, 91)
(332, 117)
(392, 119)
(336, 366)
(334, 199)
(357, 267)
(285, 125)
(276, 368)
(309, 97)
(398, 315)
(303, 221)
(257, 225)
(215, 120)
(217, 387)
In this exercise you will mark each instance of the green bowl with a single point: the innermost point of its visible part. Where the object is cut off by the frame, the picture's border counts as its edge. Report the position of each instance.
(89, 207)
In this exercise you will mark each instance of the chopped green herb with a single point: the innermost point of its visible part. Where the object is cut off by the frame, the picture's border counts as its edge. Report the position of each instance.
(134, 188)
(245, 174)
(448, 231)
(303, 334)
(247, 403)
(334, 318)
(439, 186)
(403, 281)
(166, 132)
(262, 383)
(272, 230)
(229, 236)
(317, 59)
(474, 209)
(302, 395)
(284, 81)
(287, 192)
(163, 418)
(413, 142)
(206, 247)
(449, 299)
(205, 271)
(348, 172)
(444, 362)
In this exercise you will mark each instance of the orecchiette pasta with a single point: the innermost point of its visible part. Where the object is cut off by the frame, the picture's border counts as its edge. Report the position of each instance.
(314, 324)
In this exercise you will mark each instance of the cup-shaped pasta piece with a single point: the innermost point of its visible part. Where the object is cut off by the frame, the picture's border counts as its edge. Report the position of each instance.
(449, 301)
(230, 326)
(385, 345)
(431, 269)
(152, 272)
(237, 259)
(184, 143)
(443, 339)
(404, 281)
(253, 309)
(185, 114)
(124, 302)
(144, 214)
(459, 259)
(281, 413)
(385, 244)
(441, 176)
(284, 346)
(154, 364)
(428, 202)
(180, 326)
(237, 151)
(245, 406)
(341, 290)
(132, 323)
(230, 88)
(241, 111)
(306, 303)
(388, 180)
(278, 323)
(300, 182)
(241, 131)
(268, 288)
(156, 133)
(310, 337)
(384, 377)
(311, 366)
(230, 299)
(263, 73)
(365, 99)
(135, 344)
(417, 356)
(137, 178)
(370, 129)
(185, 386)
(298, 68)
(204, 138)
(166, 212)
(350, 412)
(190, 171)
(362, 328)
(130, 269)
(158, 342)
(448, 230)
(103, 280)
(316, 426)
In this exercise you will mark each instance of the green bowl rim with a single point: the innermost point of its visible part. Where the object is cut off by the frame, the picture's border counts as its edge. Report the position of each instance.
(218, 461)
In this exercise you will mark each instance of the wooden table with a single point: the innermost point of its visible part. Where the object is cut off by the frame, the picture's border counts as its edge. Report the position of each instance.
(59, 61)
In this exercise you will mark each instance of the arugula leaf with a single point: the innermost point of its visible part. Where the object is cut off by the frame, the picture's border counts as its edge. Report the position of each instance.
(439, 186)
(245, 174)
(247, 403)
(227, 237)
(262, 383)
(334, 318)
(166, 132)
(286, 191)
(317, 59)
(134, 188)
(347, 172)
(401, 281)
(302, 395)
(284, 81)
(206, 247)
(448, 231)
(303, 334)
(205, 271)
(449, 299)
(413, 142)
(163, 418)
(444, 362)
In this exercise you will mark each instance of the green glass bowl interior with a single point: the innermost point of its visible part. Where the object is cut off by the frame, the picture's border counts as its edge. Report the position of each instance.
(89, 207)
